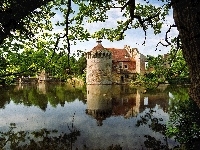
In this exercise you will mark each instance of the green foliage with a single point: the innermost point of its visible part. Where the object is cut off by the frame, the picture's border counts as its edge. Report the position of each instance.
(171, 67)
(31, 45)
(184, 121)
(42, 94)
(178, 68)
(148, 81)
(156, 73)
(37, 57)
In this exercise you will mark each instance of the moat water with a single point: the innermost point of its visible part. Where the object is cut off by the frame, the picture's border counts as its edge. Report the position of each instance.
(60, 116)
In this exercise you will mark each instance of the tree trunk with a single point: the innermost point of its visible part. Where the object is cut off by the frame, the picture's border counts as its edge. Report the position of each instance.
(187, 19)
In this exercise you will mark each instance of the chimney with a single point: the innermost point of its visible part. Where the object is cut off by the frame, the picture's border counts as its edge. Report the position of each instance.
(99, 41)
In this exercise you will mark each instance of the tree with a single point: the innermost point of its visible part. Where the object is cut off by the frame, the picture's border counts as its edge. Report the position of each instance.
(178, 70)
(187, 21)
(169, 68)
(20, 16)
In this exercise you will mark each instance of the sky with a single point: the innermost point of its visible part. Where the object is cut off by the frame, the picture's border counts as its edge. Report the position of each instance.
(134, 37)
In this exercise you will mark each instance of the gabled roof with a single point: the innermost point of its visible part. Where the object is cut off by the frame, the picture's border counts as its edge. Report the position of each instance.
(119, 54)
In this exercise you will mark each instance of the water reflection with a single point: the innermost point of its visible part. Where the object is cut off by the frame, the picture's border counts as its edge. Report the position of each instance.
(104, 101)
(4, 97)
(42, 94)
(184, 120)
(99, 102)
(39, 139)
(133, 118)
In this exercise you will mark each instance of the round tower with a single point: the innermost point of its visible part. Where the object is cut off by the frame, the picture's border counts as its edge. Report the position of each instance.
(99, 65)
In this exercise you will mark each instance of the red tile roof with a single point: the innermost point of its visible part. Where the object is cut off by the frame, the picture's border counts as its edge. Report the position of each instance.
(119, 54)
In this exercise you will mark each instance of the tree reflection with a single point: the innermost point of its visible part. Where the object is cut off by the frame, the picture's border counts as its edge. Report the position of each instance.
(40, 96)
(157, 125)
(183, 124)
(40, 139)
(43, 139)
(4, 97)
(184, 121)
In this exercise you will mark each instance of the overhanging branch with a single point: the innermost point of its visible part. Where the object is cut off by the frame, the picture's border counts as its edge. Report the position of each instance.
(12, 17)
(131, 5)
(166, 38)
(66, 33)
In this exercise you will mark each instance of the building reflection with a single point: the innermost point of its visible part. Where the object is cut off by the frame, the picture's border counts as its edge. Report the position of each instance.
(42, 87)
(104, 101)
(99, 102)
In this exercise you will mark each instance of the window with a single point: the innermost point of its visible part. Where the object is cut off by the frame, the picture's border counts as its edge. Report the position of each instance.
(120, 65)
(145, 100)
(125, 66)
(146, 65)
(126, 76)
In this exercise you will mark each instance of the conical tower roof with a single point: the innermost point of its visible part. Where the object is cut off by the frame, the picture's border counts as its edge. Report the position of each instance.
(98, 47)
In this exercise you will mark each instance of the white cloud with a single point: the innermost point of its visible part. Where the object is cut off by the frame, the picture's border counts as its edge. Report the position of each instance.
(114, 15)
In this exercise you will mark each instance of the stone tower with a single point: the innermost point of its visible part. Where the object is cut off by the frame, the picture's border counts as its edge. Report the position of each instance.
(99, 65)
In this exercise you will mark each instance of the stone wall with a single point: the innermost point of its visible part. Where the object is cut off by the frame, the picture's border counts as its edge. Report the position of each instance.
(138, 58)
(166, 59)
(140, 63)
(99, 67)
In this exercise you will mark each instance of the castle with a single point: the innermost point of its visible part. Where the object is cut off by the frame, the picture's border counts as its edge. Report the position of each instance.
(113, 66)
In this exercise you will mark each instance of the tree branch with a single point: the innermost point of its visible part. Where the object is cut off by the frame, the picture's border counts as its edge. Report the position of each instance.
(166, 38)
(65, 35)
(131, 5)
(67, 31)
(18, 10)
